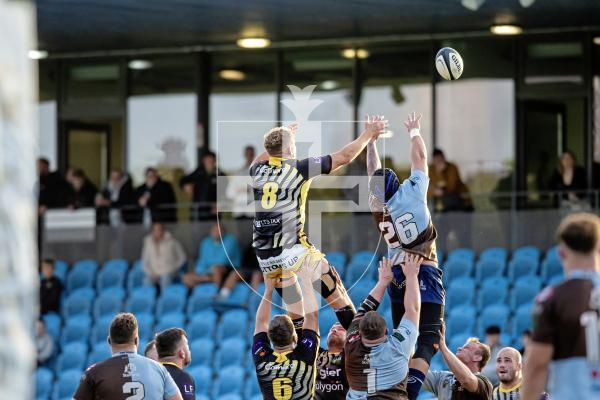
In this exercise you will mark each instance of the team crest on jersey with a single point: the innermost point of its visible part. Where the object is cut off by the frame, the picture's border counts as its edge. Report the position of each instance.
(129, 370)
(308, 342)
(366, 359)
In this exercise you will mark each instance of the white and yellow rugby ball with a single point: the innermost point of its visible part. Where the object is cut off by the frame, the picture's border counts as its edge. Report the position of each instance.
(449, 63)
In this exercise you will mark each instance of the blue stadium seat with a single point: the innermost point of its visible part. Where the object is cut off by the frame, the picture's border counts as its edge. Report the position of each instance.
(73, 356)
(230, 396)
(237, 298)
(493, 291)
(360, 291)
(229, 381)
(457, 341)
(457, 268)
(551, 268)
(82, 275)
(489, 267)
(357, 270)
(100, 329)
(141, 300)
(518, 267)
(205, 397)
(522, 320)
(494, 253)
(53, 324)
(257, 397)
(145, 325)
(44, 378)
(556, 280)
(552, 254)
(109, 302)
(255, 297)
(202, 297)
(202, 324)
(170, 320)
(172, 299)
(462, 254)
(337, 258)
(327, 318)
(524, 291)
(78, 303)
(76, 329)
(440, 256)
(136, 275)
(112, 274)
(61, 269)
(231, 351)
(252, 388)
(233, 323)
(365, 257)
(460, 291)
(202, 351)
(202, 375)
(530, 252)
(66, 384)
(461, 319)
(495, 314)
(100, 352)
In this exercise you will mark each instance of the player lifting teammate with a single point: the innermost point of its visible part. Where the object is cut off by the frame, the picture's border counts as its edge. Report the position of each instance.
(281, 183)
(402, 216)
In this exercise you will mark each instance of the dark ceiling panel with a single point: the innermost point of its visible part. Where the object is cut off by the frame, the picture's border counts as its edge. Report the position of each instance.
(88, 25)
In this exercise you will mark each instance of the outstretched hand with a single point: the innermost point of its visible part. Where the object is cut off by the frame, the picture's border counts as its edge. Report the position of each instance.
(413, 121)
(385, 271)
(375, 125)
(411, 264)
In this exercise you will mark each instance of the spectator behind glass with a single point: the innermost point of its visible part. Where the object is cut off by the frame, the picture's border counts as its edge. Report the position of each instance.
(83, 191)
(202, 186)
(53, 189)
(569, 177)
(238, 189)
(162, 256)
(117, 193)
(215, 259)
(44, 343)
(492, 339)
(50, 288)
(445, 186)
(157, 199)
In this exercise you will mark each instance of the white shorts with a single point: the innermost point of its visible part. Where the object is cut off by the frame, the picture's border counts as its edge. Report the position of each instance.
(290, 259)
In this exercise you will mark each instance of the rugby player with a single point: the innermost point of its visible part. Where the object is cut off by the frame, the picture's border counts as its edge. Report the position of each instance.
(150, 350)
(566, 319)
(285, 363)
(377, 364)
(402, 216)
(126, 375)
(331, 375)
(281, 183)
(174, 353)
(509, 368)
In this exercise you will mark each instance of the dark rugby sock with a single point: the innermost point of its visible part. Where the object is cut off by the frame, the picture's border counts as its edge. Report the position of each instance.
(415, 381)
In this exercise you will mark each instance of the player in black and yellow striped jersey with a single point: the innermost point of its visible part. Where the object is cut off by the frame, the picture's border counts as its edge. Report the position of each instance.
(509, 368)
(285, 364)
(281, 183)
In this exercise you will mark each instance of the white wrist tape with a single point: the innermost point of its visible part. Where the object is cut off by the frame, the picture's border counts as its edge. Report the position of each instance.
(414, 132)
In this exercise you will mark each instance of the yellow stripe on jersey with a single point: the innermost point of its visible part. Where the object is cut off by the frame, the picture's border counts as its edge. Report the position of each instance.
(281, 357)
(275, 161)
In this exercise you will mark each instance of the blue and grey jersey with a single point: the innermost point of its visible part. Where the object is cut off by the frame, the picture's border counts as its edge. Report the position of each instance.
(405, 221)
(126, 376)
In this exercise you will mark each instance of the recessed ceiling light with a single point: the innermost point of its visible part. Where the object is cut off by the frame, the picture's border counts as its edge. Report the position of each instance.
(37, 54)
(232, 75)
(140, 64)
(253, 43)
(330, 85)
(355, 53)
(597, 40)
(472, 5)
(506, 29)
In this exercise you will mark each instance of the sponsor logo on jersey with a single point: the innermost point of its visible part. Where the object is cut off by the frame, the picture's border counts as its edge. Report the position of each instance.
(129, 370)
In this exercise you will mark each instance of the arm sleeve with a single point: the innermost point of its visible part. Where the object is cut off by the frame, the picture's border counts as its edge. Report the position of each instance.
(85, 390)
(417, 184)
(544, 317)
(203, 257)
(432, 381)
(484, 387)
(405, 337)
(261, 347)
(369, 304)
(314, 166)
(309, 346)
(171, 388)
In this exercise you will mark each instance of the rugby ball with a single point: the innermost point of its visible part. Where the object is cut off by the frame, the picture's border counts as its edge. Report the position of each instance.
(449, 63)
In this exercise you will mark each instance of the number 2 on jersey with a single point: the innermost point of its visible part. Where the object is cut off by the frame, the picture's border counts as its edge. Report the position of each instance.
(135, 389)
(402, 229)
(282, 388)
(269, 197)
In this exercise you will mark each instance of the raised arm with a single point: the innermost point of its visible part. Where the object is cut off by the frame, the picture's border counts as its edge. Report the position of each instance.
(373, 128)
(462, 373)
(373, 161)
(263, 314)
(412, 296)
(385, 277)
(418, 151)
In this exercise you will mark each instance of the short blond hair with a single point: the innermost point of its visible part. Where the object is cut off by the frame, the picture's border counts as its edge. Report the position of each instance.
(275, 139)
(484, 350)
(281, 331)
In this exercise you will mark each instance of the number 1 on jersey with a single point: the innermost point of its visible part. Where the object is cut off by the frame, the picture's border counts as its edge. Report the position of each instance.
(371, 380)
(269, 197)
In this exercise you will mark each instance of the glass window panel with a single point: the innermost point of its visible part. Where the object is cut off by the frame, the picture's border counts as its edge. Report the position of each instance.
(93, 82)
(47, 132)
(554, 62)
(174, 74)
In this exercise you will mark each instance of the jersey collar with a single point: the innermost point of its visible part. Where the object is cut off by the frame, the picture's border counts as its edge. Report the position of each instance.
(275, 161)
(169, 363)
(510, 389)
